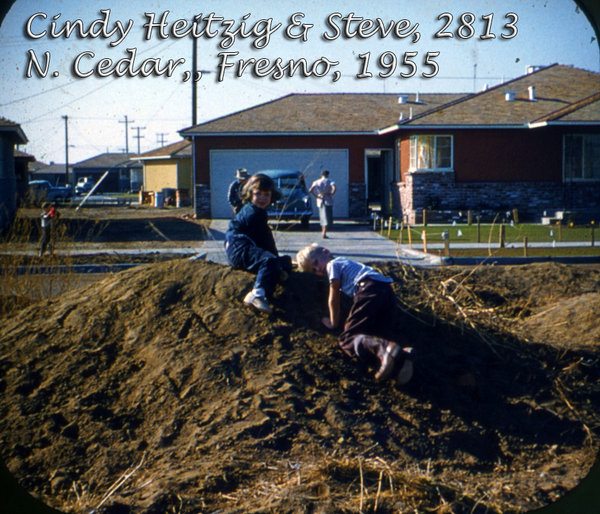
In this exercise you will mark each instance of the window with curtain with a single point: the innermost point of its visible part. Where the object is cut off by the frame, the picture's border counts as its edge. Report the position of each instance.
(430, 153)
(582, 156)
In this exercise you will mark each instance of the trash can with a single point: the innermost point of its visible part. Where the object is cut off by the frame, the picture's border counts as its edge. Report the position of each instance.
(182, 198)
(159, 199)
(168, 195)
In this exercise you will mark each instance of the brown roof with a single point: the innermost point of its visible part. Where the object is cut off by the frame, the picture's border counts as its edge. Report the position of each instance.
(322, 113)
(556, 88)
(49, 169)
(23, 155)
(561, 94)
(106, 160)
(172, 151)
(587, 109)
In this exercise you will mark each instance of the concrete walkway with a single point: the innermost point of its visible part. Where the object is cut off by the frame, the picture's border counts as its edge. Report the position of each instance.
(349, 239)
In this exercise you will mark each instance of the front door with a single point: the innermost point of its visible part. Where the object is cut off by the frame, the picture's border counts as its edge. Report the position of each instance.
(379, 178)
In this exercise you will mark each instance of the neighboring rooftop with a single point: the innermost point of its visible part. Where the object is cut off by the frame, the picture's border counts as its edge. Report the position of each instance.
(10, 127)
(107, 160)
(180, 149)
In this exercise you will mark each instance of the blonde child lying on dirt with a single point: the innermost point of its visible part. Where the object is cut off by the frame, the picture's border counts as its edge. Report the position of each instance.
(368, 329)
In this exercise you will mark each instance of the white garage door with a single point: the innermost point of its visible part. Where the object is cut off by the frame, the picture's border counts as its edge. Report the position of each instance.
(223, 164)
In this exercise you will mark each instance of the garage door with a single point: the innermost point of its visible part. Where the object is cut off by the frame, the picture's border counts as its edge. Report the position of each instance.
(223, 164)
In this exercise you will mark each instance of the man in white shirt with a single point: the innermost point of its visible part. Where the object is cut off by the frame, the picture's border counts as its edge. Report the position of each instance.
(323, 189)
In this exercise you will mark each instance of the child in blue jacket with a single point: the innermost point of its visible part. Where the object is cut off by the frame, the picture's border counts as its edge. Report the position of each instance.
(249, 242)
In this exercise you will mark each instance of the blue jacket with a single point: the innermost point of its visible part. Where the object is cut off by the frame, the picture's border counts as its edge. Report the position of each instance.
(252, 222)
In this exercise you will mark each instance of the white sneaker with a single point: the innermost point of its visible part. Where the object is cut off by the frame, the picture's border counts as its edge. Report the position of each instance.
(258, 302)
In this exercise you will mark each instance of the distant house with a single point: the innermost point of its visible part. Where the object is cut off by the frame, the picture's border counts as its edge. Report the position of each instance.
(169, 168)
(53, 172)
(531, 143)
(11, 134)
(124, 172)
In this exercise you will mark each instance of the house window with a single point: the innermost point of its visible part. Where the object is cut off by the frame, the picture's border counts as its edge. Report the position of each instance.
(430, 153)
(582, 157)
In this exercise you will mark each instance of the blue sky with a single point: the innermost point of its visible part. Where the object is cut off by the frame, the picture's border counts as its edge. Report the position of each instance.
(547, 31)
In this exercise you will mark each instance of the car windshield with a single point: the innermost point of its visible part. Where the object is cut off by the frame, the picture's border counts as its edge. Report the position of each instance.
(288, 184)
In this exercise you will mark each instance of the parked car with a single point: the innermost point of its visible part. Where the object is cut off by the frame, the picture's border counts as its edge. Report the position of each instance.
(84, 186)
(295, 201)
(40, 191)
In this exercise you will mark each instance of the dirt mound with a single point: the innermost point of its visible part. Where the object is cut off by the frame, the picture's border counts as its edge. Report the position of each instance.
(154, 390)
(569, 321)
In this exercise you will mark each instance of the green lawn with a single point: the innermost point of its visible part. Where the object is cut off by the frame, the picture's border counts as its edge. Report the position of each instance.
(568, 251)
(535, 233)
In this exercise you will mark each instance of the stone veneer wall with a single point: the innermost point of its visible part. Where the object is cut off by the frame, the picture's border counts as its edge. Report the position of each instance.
(439, 191)
(357, 201)
(202, 201)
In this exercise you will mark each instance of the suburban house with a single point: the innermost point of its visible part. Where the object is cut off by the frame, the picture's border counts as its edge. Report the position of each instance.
(54, 173)
(532, 144)
(169, 170)
(309, 133)
(124, 172)
(11, 134)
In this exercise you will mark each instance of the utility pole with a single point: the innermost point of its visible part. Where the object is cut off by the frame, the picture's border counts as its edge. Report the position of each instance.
(160, 138)
(126, 133)
(138, 136)
(196, 74)
(194, 68)
(66, 118)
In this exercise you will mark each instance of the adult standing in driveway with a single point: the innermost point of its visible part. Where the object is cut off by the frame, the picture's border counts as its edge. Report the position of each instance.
(233, 193)
(324, 190)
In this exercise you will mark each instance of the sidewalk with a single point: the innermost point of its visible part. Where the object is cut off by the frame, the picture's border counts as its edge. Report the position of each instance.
(346, 239)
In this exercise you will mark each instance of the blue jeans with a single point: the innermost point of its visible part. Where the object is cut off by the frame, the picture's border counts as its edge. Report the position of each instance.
(243, 253)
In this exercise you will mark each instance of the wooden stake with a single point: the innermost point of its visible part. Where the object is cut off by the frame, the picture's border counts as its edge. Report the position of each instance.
(389, 227)
(478, 229)
(362, 484)
(502, 235)
(424, 217)
(469, 218)
(424, 240)
(525, 246)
